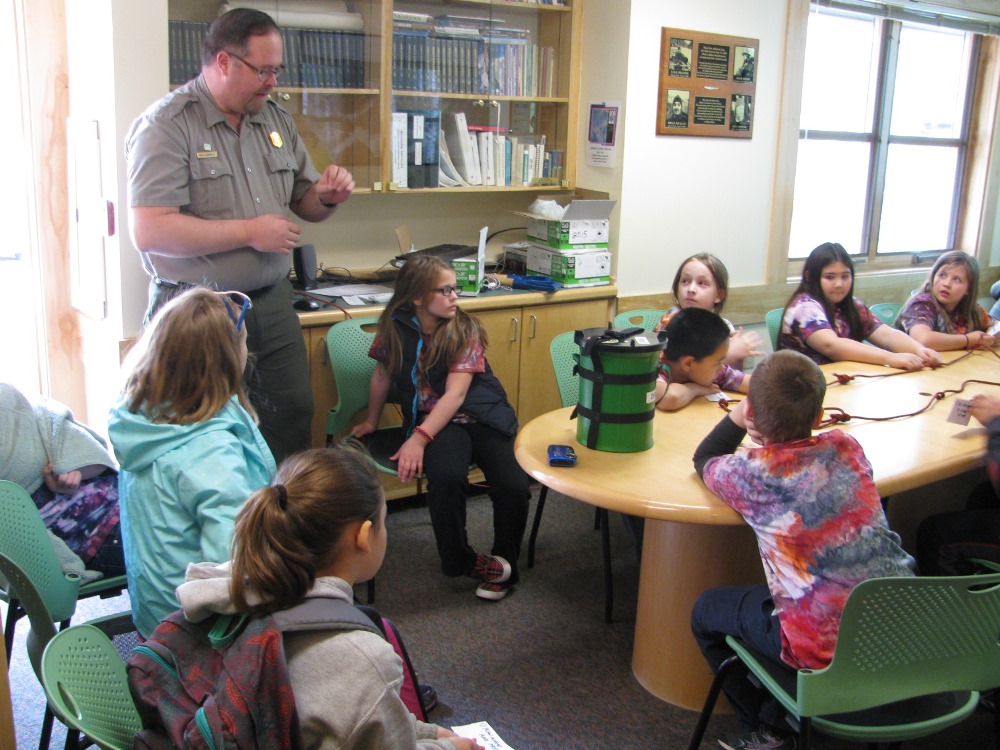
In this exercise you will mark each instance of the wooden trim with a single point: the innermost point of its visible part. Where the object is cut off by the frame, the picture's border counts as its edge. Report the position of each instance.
(787, 149)
(974, 215)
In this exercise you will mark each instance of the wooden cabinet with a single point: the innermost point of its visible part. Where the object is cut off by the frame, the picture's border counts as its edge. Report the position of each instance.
(513, 72)
(519, 349)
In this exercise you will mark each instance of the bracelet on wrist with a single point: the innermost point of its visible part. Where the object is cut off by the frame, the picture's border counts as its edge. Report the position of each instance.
(424, 434)
(966, 340)
(324, 204)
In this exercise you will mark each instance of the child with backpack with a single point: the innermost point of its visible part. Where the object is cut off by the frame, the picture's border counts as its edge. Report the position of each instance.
(308, 538)
(455, 411)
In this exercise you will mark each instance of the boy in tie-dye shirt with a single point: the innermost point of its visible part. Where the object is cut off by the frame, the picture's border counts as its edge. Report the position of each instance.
(820, 528)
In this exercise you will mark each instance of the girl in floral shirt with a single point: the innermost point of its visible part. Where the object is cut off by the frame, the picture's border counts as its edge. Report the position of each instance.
(826, 322)
(943, 314)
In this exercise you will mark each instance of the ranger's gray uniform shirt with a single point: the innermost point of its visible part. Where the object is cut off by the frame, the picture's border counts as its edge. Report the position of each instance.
(181, 152)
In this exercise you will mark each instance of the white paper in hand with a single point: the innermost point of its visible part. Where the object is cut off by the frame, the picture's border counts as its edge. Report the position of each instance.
(960, 411)
(482, 733)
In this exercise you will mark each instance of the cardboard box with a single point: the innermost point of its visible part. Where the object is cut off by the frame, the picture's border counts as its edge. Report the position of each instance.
(515, 257)
(585, 224)
(470, 269)
(570, 268)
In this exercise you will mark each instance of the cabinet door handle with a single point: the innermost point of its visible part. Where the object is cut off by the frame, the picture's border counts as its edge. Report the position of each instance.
(516, 326)
(534, 326)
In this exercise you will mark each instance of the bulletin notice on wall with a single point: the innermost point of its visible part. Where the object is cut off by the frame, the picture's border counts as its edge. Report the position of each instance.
(706, 85)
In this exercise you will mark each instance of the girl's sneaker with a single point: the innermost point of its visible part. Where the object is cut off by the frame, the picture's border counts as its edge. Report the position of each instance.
(491, 569)
(762, 739)
(494, 591)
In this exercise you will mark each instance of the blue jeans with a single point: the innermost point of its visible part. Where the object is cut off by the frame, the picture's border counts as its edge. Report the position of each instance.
(747, 613)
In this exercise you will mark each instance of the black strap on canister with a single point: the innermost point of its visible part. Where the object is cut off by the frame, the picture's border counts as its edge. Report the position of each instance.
(589, 348)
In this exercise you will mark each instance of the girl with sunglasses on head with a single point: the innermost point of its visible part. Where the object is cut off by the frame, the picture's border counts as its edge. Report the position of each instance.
(826, 322)
(186, 439)
(455, 412)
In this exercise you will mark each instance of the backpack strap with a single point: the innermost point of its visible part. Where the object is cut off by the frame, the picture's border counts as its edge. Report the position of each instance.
(324, 614)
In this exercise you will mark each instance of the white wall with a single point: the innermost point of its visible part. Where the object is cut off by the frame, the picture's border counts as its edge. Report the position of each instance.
(680, 194)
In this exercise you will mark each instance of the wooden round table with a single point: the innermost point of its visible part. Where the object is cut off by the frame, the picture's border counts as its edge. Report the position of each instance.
(693, 541)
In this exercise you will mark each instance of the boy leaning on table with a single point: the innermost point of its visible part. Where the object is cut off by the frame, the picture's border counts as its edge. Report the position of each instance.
(820, 529)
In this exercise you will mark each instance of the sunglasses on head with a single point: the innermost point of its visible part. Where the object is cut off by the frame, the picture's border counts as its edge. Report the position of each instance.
(240, 300)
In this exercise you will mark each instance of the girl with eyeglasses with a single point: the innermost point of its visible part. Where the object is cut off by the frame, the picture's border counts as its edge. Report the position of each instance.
(455, 412)
(186, 439)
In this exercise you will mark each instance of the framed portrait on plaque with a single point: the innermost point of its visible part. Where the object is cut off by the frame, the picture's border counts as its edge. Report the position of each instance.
(707, 84)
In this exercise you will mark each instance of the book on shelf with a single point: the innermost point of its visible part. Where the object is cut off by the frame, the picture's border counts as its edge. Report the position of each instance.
(184, 46)
(487, 156)
(398, 146)
(412, 17)
(448, 174)
(317, 58)
(475, 165)
(423, 153)
(455, 129)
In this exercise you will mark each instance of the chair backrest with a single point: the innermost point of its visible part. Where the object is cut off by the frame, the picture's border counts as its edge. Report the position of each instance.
(902, 637)
(772, 318)
(645, 318)
(347, 344)
(42, 623)
(86, 685)
(886, 311)
(25, 542)
(565, 354)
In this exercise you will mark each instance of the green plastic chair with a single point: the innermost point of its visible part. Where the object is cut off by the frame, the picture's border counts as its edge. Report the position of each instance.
(565, 355)
(911, 656)
(772, 318)
(348, 343)
(646, 318)
(86, 684)
(886, 311)
(34, 583)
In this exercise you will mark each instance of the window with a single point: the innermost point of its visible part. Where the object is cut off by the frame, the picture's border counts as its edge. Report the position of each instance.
(20, 340)
(883, 136)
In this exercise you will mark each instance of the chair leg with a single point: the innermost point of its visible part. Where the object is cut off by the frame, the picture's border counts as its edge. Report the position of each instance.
(805, 733)
(606, 551)
(46, 735)
(8, 627)
(542, 494)
(710, 700)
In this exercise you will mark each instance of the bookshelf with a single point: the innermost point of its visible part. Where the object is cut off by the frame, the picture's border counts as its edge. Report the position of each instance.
(508, 70)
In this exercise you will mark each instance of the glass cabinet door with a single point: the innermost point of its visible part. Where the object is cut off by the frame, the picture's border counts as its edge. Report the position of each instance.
(481, 95)
(331, 84)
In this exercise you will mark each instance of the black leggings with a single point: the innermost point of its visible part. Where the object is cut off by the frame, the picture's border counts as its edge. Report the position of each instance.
(446, 466)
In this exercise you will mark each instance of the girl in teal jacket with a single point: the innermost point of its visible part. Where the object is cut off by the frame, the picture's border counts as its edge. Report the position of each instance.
(187, 442)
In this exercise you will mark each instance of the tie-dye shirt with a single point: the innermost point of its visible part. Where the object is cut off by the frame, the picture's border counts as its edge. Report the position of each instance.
(820, 529)
(805, 315)
(729, 379)
(922, 308)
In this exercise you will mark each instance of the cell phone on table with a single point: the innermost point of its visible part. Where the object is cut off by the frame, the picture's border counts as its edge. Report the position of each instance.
(562, 455)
